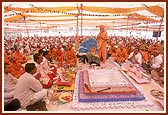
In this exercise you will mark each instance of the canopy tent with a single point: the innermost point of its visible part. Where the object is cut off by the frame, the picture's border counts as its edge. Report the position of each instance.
(146, 16)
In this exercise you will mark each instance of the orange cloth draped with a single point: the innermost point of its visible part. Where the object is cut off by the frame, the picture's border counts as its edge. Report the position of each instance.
(102, 38)
(70, 57)
(112, 51)
(59, 57)
(121, 55)
(145, 56)
(6, 59)
(52, 53)
(16, 69)
(19, 57)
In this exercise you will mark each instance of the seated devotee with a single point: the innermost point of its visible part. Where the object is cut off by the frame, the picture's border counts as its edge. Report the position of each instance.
(45, 79)
(135, 57)
(41, 51)
(16, 67)
(25, 51)
(11, 51)
(129, 48)
(64, 43)
(112, 50)
(19, 57)
(52, 52)
(158, 73)
(6, 59)
(155, 62)
(9, 84)
(47, 66)
(71, 48)
(28, 89)
(69, 56)
(121, 54)
(59, 56)
(152, 47)
(161, 47)
(143, 46)
(146, 55)
(92, 56)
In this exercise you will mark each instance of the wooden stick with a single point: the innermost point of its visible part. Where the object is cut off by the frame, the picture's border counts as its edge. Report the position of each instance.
(104, 89)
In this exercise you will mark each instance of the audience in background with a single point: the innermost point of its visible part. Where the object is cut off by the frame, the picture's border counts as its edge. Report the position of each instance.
(147, 52)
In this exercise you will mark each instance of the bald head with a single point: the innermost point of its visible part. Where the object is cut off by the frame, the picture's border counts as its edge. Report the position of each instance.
(102, 28)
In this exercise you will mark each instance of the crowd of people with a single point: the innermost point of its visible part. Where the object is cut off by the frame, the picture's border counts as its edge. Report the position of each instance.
(29, 83)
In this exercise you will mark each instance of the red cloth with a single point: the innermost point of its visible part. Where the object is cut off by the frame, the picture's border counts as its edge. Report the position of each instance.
(54, 70)
(51, 75)
(47, 85)
(65, 83)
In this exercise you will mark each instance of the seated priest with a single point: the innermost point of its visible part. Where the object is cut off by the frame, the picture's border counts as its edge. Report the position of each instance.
(69, 56)
(59, 56)
(93, 57)
(6, 57)
(19, 57)
(42, 74)
(46, 63)
(16, 67)
(121, 54)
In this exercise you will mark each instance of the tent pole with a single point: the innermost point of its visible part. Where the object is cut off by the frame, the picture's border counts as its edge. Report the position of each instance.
(77, 27)
(131, 28)
(146, 29)
(77, 20)
(26, 26)
(140, 33)
(41, 29)
(159, 29)
(77, 37)
(48, 30)
(81, 8)
(127, 25)
(113, 28)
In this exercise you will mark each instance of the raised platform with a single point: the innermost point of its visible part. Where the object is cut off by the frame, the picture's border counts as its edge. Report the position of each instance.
(112, 94)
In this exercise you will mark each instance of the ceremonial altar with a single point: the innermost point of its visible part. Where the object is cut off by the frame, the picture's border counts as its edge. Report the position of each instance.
(119, 93)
